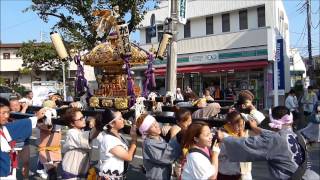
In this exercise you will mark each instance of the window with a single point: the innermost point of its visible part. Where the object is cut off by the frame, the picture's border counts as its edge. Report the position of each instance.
(225, 22)
(209, 25)
(160, 32)
(261, 17)
(243, 19)
(6, 55)
(150, 32)
(291, 60)
(148, 38)
(186, 30)
(18, 55)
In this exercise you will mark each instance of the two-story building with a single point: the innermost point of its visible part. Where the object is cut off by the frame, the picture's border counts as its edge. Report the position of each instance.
(298, 71)
(11, 66)
(224, 44)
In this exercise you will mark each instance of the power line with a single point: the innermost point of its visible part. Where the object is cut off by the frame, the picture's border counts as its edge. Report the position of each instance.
(303, 33)
(302, 8)
(299, 33)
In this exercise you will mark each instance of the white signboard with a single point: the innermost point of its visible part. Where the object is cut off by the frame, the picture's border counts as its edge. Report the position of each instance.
(182, 11)
(202, 59)
(41, 90)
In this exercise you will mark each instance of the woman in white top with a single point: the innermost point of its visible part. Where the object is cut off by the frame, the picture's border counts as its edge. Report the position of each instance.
(202, 161)
(114, 149)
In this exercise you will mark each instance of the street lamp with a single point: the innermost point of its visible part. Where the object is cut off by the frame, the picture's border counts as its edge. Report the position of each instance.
(62, 53)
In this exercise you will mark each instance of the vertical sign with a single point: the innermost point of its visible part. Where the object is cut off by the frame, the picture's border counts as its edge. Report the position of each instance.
(280, 62)
(123, 38)
(182, 6)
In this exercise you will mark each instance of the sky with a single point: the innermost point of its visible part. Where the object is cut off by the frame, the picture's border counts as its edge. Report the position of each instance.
(18, 27)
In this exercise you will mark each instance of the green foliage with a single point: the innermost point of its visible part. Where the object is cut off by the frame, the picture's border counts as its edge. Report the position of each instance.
(19, 89)
(75, 20)
(2, 81)
(38, 57)
(25, 70)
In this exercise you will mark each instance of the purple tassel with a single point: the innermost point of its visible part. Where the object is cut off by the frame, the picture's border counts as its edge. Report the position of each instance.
(149, 74)
(81, 81)
(130, 82)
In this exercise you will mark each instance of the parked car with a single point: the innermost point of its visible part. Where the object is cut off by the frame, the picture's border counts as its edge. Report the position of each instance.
(7, 92)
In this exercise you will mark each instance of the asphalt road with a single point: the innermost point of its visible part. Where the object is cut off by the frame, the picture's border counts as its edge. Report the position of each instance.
(259, 170)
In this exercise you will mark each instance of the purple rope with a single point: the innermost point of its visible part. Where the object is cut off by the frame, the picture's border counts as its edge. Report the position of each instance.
(81, 81)
(130, 82)
(149, 74)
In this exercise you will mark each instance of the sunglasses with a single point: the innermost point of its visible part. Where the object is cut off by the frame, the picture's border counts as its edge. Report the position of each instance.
(80, 119)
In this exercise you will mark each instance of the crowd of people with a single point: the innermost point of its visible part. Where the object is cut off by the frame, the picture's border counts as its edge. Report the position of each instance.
(211, 93)
(189, 149)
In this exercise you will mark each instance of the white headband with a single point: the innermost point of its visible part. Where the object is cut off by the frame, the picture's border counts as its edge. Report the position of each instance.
(117, 116)
(146, 124)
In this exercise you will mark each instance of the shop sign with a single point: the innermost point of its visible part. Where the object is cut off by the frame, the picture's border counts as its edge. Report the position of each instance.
(208, 58)
(182, 11)
(164, 61)
(212, 57)
(196, 59)
(280, 61)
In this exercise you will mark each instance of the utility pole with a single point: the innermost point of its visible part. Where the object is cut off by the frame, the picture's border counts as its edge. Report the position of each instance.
(171, 75)
(275, 79)
(310, 63)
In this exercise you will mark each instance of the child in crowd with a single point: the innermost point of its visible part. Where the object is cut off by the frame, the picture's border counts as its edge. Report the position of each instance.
(9, 134)
(281, 145)
(158, 155)
(228, 170)
(201, 161)
(115, 151)
(75, 163)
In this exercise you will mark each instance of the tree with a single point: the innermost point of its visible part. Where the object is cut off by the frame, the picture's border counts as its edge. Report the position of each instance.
(75, 18)
(2, 80)
(38, 57)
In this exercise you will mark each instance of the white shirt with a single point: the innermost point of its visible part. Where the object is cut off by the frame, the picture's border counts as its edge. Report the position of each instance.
(197, 167)
(180, 97)
(75, 139)
(109, 162)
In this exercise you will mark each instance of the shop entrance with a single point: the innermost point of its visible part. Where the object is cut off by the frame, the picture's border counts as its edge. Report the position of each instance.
(213, 82)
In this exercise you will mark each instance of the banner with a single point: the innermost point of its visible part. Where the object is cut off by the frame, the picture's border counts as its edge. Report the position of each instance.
(280, 60)
(182, 7)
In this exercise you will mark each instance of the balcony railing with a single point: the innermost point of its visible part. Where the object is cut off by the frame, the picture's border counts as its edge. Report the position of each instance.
(216, 42)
